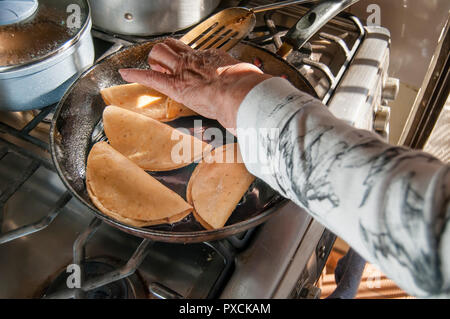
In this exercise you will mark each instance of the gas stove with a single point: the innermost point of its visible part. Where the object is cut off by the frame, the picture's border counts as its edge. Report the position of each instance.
(45, 232)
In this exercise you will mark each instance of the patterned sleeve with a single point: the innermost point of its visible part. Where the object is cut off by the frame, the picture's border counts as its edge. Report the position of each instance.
(391, 204)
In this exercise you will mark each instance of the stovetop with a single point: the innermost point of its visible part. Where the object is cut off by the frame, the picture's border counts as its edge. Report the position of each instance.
(45, 230)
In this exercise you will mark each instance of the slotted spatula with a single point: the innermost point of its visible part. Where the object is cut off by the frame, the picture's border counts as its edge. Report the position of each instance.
(227, 27)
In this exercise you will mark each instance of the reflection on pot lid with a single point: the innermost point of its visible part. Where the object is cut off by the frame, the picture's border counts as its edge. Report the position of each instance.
(33, 30)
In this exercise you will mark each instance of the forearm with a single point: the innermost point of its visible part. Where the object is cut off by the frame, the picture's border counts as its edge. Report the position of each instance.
(364, 190)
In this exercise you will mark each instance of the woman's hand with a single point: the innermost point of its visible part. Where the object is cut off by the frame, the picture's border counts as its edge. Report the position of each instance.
(210, 82)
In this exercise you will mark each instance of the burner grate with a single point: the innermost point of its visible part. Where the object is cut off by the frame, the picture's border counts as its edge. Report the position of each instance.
(24, 133)
(36, 161)
(127, 288)
(91, 284)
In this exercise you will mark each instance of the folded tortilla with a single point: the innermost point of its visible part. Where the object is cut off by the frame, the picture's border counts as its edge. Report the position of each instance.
(146, 101)
(217, 185)
(122, 190)
(176, 110)
(152, 145)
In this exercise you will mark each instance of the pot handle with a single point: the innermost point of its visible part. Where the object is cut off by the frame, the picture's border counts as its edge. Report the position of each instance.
(311, 23)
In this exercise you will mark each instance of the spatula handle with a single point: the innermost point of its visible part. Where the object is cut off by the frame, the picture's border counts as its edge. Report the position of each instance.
(314, 20)
(279, 5)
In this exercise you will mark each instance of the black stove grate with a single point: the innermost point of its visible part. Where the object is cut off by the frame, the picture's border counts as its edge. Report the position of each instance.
(35, 161)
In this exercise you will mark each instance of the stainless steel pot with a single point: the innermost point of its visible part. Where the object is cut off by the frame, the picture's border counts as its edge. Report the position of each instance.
(149, 17)
(44, 46)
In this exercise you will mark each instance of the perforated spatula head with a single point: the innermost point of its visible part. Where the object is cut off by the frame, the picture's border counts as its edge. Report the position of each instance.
(221, 31)
(226, 28)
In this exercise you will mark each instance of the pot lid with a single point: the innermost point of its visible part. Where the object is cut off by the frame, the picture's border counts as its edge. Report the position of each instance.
(33, 30)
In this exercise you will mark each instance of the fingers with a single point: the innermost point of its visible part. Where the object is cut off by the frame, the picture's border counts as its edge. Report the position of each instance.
(161, 82)
(164, 59)
(162, 55)
(158, 68)
(178, 46)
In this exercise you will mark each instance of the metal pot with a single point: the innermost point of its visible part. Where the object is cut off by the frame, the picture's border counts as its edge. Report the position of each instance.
(44, 46)
(149, 17)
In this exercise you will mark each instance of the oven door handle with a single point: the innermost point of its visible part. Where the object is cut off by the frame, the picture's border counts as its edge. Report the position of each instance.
(319, 15)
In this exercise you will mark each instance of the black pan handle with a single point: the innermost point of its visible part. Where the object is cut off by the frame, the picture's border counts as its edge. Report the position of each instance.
(319, 15)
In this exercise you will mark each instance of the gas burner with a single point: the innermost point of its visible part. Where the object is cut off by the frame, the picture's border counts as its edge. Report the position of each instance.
(131, 287)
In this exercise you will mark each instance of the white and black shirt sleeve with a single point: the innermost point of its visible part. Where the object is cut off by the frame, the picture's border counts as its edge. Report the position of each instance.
(391, 204)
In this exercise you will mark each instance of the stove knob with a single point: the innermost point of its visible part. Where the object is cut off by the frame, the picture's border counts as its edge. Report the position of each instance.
(391, 87)
(381, 121)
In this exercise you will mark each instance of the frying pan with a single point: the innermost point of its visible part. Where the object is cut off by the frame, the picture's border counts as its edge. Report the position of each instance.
(81, 108)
